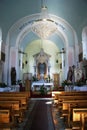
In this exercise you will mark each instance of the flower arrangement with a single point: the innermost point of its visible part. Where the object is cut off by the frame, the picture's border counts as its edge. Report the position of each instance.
(3, 85)
(43, 90)
(80, 82)
(66, 82)
(34, 78)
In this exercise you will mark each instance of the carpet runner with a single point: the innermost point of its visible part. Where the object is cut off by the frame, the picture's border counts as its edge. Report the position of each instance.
(40, 118)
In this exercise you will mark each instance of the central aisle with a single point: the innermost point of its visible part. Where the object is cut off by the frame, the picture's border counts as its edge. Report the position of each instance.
(41, 116)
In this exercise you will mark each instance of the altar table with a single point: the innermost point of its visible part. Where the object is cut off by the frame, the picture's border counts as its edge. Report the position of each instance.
(39, 84)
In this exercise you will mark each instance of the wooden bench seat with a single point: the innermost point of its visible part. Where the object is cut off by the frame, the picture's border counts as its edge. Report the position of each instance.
(76, 97)
(67, 101)
(15, 105)
(5, 119)
(18, 101)
(68, 106)
(79, 115)
(16, 94)
(22, 99)
(57, 94)
(22, 105)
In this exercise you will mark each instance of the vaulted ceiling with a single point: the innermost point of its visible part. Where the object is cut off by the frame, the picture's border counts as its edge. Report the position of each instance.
(72, 12)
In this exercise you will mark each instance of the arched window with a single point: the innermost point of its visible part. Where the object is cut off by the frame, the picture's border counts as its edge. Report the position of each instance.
(0, 41)
(84, 42)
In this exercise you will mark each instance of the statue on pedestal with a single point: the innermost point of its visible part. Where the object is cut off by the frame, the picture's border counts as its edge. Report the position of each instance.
(13, 76)
(70, 74)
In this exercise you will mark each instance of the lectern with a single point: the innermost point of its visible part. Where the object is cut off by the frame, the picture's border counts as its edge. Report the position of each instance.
(27, 79)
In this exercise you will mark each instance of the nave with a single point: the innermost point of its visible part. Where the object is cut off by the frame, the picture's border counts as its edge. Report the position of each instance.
(63, 111)
(37, 113)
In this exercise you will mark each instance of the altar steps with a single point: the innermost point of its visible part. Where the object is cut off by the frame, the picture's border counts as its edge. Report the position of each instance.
(36, 94)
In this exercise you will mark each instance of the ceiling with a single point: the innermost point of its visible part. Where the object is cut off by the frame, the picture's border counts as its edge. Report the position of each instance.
(71, 12)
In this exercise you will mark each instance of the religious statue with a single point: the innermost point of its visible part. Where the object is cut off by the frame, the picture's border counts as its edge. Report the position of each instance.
(70, 73)
(13, 76)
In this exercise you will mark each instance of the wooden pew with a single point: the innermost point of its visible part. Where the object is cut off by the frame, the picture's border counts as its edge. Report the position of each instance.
(57, 94)
(16, 94)
(69, 100)
(15, 106)
(23, 103)
(79, 115)
(25, 93)
(76, 97)
(68, 106)
(22, 99)
(18, 101)
(5, 119)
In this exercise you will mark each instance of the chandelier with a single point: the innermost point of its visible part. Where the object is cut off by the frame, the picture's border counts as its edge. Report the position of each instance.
(44, 26)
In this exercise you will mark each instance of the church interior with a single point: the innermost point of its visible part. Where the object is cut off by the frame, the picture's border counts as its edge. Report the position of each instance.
(43, 65)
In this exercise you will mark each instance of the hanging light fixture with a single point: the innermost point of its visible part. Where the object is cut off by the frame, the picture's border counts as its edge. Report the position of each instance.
(44, 26)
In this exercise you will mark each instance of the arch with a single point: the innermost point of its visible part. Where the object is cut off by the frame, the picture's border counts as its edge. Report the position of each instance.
(22, 27)
(0, 38)
(84, 42)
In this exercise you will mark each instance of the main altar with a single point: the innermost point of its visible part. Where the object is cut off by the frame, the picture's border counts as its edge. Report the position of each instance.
(42, 71)
(42, 64)
(37, 85)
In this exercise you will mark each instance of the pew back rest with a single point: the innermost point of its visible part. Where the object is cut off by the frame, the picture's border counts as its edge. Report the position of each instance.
(14, 104)
(22, 99)
(4, 116)
(78, 112)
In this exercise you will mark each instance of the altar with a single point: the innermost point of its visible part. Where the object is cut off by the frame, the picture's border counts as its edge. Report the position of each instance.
(38, 84)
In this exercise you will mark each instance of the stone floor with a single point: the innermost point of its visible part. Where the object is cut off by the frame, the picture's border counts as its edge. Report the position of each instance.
(58, 121)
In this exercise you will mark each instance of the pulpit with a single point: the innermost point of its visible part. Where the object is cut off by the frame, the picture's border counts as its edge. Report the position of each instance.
(27, 77)
(27, 85)
(56, 79)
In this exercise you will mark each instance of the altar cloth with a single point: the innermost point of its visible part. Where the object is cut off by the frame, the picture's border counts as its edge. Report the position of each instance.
(40, 83)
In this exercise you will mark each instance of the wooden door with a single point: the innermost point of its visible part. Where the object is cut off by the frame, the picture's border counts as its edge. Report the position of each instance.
(56, 79)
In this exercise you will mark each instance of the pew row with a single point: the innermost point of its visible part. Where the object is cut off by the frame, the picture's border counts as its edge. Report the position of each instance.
(25, 93)
(5, 119)
(18, 102)
(56, 94)
(79, 119)
(68, 107)
(67, 101)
